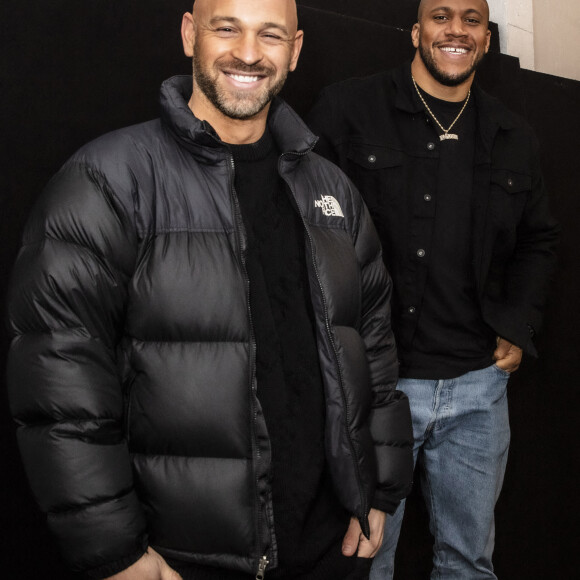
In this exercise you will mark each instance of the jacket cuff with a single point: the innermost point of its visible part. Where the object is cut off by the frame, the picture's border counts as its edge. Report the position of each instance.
(113, 568)
(385, 504)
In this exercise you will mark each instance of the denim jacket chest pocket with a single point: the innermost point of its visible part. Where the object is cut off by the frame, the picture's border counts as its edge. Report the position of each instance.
(509, 192)
(377, 171)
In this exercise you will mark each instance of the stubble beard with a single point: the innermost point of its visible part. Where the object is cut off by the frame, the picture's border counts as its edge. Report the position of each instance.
(441, 76)
(238, 105)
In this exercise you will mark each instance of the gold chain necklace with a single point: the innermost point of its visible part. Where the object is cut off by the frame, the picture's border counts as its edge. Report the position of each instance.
(446, 134)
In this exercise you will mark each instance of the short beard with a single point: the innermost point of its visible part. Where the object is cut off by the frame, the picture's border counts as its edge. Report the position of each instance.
(442, 77)
(238, 104)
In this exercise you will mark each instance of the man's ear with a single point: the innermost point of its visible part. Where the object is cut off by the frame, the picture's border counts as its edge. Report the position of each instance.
(487, 40)
(296, 48)
(415, 34)
(188, 34)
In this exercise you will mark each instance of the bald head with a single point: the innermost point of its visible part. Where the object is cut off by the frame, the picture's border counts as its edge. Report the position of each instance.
(427, 5)
(289, 8)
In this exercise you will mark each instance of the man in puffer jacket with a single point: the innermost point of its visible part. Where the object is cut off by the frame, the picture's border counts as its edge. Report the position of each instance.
(203, 369)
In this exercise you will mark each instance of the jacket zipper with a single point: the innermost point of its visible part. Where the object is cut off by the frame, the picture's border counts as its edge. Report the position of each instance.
(263, 562)
(364, 524)
(261, 574)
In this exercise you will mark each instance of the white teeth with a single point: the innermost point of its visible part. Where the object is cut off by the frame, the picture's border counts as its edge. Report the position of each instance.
(244, 79)
(454, 50)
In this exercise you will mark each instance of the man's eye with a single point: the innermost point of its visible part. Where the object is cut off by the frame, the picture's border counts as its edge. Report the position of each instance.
(440, 18)
(472, 21)
(225, 29)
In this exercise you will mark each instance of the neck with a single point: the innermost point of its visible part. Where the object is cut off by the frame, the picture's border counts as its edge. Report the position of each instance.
(434, 88)
(234, 131)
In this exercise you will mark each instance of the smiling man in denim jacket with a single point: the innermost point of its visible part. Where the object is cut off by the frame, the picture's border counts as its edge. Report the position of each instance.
(453, 183)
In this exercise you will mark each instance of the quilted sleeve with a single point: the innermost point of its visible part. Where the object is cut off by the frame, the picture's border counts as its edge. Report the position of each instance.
(66, 307)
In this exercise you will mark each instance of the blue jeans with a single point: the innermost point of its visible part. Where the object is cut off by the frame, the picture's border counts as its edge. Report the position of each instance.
(461, 427)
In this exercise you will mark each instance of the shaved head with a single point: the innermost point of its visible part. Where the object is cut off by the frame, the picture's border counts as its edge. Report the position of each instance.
(291, 10)
(430, 4)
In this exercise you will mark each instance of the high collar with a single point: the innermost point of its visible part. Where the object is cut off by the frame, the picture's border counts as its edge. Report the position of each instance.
(288, 130)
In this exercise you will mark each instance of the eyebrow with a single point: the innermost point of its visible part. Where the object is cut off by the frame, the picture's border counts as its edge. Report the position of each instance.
(474, 11)
(238, 22)
(448, 9)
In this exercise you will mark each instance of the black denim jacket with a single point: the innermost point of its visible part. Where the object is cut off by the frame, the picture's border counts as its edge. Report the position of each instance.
(377, 131)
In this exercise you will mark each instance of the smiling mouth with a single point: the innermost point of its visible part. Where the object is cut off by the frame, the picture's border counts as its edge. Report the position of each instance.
(453, 50)
(244, 78)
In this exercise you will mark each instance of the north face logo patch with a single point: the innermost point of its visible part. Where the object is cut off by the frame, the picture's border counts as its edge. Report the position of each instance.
(329, 206)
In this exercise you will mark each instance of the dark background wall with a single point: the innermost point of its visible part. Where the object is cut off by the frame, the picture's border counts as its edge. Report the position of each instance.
(70, 71)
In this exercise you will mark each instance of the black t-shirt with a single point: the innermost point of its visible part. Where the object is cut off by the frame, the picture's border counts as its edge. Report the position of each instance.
(451, 337)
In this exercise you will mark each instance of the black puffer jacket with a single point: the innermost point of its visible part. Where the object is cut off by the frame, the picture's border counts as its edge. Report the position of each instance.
(131, 372)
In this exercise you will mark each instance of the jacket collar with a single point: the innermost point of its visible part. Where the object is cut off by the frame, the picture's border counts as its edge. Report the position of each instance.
(490, 110)
(289, 131)
(491, 114)
(406, 96)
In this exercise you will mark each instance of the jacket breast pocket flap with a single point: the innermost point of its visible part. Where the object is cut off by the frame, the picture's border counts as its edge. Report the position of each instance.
(511, 181)
(374, 156)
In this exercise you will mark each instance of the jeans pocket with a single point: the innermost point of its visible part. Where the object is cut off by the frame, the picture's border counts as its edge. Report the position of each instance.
(501, 371)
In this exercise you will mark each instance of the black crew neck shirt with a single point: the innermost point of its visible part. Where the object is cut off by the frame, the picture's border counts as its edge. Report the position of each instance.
(451, 337)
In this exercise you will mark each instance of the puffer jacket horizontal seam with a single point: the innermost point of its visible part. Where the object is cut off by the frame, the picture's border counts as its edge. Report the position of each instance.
(399, 444)
(99, 257)
(189, 457)
(382, 388)
(82, 507)
(51, 331)
(181, 341)
(187, 230)
(69, 421)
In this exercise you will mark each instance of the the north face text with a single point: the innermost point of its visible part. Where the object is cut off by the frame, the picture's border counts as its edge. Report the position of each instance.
(329, 206)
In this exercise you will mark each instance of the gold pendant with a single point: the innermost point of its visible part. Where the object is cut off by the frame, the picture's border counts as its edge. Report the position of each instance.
(446, 136)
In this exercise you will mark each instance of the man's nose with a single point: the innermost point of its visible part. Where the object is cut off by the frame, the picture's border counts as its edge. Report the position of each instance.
(456, 26)
(247, 49)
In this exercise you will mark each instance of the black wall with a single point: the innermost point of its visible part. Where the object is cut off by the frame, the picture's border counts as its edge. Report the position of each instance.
(70, 71)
